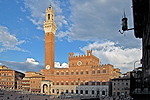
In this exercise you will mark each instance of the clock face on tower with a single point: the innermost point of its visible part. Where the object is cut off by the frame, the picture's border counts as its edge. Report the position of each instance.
(79, 63)
(47, 67)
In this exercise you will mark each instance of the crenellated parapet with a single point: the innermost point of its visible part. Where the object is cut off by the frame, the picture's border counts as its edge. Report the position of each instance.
(83, 60)
(89, 54)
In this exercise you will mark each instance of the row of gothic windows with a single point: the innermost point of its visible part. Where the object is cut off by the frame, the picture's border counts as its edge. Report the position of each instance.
(1, 74)
(6, 79)
(81, 83)
(77, 91)
(6, 83)
(120, 84)
(81, 73)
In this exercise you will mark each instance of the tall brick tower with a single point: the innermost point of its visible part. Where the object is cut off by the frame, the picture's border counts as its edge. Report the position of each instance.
(50, 29)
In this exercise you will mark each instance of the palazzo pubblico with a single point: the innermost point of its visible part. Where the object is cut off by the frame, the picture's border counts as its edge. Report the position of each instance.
(84, 76)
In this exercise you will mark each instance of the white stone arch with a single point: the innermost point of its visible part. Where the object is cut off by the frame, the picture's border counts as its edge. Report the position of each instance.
(46, 87)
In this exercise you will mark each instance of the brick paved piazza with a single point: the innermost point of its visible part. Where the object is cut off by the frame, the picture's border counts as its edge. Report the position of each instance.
(13, 95)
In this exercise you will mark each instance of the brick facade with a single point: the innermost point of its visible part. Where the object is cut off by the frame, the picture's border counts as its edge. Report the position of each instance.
(9, 78)
(89, 71)
(32, 81)
(84, 71)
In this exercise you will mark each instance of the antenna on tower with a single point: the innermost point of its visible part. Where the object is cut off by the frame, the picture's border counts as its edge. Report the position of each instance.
(124, 14)
(50, 3)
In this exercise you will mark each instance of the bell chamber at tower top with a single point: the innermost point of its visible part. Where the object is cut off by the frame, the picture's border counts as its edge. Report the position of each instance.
(49, 24)
(50, 13)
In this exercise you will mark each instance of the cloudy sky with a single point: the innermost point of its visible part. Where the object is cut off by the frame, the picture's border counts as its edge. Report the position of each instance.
(81, 25)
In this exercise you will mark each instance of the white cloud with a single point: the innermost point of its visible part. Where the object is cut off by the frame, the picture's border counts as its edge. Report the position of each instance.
(100, 20)
(110, 52)
(64, 65)
(62, 34)
(29, 65)
(95, 20)
(20, 42)
(20, 20)
(39, 38)
(60, 20)
(32, 61)
(37, 12)
(40, 28)
(9, 42)
(86, 20)
(37, 9)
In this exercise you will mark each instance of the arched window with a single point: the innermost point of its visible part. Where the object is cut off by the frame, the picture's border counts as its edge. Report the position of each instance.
(81, 91)
(62, 73)
(48, 16)
(52, 17)
(76, 83)
(66, 91)
(98, 83)
(98, 71)
(104, 71)
(67, 73)
(72, 73)
(72, 92)
(77, 73)
(92, 91)
(103, 92)
(67, 83)
(76, 91)
(57, 83)
(62, 83)
(57, 73)
(93, 83)
(72, 83)
(87, 72)
(86, 91)
(103, 83)
(86, 83)
(93, 72)
(81, 83)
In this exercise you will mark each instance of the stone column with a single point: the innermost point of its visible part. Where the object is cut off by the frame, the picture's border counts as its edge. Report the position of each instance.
(48, 89)
(100, 92)
(41, 88)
